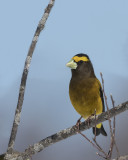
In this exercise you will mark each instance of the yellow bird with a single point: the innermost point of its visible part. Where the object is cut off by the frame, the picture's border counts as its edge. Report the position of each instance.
(85, 90)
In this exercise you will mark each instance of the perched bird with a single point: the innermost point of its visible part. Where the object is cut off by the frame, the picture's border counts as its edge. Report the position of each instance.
(85, 90)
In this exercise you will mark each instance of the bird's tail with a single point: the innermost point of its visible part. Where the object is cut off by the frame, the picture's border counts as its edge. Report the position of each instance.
(99, 129)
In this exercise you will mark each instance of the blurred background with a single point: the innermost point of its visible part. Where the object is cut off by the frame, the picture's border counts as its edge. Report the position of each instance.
(97, 28)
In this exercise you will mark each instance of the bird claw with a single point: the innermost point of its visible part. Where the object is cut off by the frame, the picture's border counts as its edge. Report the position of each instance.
(88, 120)
(78, 123)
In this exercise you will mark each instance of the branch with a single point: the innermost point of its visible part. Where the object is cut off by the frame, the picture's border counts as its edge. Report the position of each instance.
(16, 121)
(63, 134)
(122, 158)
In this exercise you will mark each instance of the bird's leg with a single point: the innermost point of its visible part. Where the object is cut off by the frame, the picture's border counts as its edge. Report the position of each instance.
(88, 119)
(78, 123)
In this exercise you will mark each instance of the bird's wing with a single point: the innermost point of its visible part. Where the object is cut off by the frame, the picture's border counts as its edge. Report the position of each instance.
(101, 95)
(102, 98)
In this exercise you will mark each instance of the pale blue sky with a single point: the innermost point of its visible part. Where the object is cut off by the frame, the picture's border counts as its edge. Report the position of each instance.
(98, 28)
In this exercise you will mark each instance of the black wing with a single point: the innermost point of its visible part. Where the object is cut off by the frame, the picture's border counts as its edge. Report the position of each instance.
(102, 98)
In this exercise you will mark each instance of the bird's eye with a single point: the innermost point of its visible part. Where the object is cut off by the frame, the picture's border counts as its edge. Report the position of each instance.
(80, 62)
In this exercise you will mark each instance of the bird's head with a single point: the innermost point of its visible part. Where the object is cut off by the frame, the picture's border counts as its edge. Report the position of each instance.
(80, 64)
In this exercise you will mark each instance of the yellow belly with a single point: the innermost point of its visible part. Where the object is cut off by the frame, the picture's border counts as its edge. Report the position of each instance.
(85, 97)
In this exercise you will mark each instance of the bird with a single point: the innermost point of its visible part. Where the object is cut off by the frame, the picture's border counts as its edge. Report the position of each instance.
(85, 90)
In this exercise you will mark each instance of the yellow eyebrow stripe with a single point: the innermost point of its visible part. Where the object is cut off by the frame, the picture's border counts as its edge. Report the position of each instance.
(77, 59)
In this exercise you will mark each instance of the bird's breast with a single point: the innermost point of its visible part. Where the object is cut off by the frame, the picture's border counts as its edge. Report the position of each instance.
(85, 96)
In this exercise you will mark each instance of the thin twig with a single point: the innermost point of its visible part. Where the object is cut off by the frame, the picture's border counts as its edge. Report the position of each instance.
(101, 149)
(100, 155)
(16, 121)
(114, 118)
(114, 126)
(94, 139)
(113, 136)
(94, 145)
(109, 120)
(106, 104)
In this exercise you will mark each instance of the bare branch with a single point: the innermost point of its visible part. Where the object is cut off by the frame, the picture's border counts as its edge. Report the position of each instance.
(114, 126)
(63, 134)
(122, 158)
(16, 121)
(37, 147)
(109, 120)
(96, 145)
(105, 97)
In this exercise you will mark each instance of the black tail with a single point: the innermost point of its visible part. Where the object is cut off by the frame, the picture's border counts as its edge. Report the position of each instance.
(99, 130)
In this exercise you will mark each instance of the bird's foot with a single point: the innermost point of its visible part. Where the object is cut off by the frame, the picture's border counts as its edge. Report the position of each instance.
(88, 120)
(78, 123)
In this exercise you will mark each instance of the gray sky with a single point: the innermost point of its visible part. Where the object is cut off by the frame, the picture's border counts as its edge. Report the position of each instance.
(97, 28)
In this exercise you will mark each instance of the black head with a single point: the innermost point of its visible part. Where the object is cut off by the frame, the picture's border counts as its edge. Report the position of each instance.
(81, 66)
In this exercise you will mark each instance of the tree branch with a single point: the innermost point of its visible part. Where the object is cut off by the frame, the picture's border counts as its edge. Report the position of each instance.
(122, 158)
(63, 134)
(16, 121)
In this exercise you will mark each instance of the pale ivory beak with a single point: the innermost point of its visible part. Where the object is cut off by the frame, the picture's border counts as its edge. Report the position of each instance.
(72, 64)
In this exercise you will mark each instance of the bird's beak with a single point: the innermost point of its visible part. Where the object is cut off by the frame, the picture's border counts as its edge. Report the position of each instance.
(72, 64)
